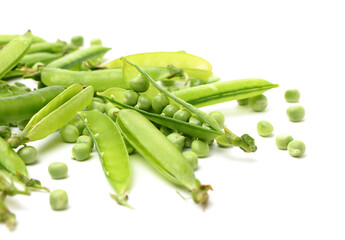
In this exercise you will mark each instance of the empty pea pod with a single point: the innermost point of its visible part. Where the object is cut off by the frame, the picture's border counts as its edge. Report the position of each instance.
(112, 152)
(174, 167)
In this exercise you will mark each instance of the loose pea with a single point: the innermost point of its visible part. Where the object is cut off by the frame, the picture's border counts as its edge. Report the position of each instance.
(292, 95)
(108, 106)
(177, 139)
(112, 113)
(295, 113)
(28, 154)
(144, 102)
(78, 123)
(58, 170)
(296, 148)
(192, 159)
(200, 147)
(58, 199)
(243, 101)
(5, 132)
(264, 128)
(170, 110)
(182, 115)
(159, 102)
(219, 117)
(96, 106)
(96, 42)
(282, 141)
(77, 40)
(173, 88)
(258, 103)
(131, 98)
(69, 133)
(81, 151)
(85, 139)
(195, 120)
(139, 84)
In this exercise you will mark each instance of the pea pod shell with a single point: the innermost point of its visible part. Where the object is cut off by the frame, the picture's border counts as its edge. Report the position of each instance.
(13, 52)
(43, 57)
(112, 151)
(6, 38)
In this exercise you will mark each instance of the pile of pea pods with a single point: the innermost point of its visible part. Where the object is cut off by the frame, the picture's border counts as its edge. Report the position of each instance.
(131, 104)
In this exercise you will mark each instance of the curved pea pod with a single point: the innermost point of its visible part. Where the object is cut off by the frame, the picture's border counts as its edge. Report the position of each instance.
(166, 158)
(24, 106)
(112, 152)
(100, 79)
(57, 113)
(43, 57)
(13, 52)
(213, 93)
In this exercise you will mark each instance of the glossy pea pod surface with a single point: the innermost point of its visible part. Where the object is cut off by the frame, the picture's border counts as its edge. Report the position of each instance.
(154, 146)
(43, 57)
(112, 152)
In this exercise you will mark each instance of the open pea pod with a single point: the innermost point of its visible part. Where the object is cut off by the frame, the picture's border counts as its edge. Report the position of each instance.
(166, 158)
(112, 151)
(57, 113)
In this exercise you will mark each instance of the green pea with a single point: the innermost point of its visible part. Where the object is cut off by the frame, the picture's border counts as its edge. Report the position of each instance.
(58, 170)
(282, 140)
(97, 99)
(258, 103)
(69, 133)
(96, 42)
(296, 148)
(112, 113)
(58, 199)
(173, 88)
(108, 106)
(139, 84)
(96, 106)
(159, 102)
(144, 102)
(264, 128)
(5, 132)
(192, 159)
(28, 154)
(77, 40)
(85, 139)
(78, 123)
(182, 115)
(165, 130)
(292, 95)
(196, 82)
(131, 98)
(219, 117)
(188, 141)
(195, 120)
(243, 101)
(170, 110)
(295, 113)
(177, 139)
(200, 147)
(81, 151)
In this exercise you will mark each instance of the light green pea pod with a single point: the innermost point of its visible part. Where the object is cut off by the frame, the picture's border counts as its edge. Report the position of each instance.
(112, 151)
(6, 38)
(57, 112)
(167, 159)
(13, 52)
(43, 57)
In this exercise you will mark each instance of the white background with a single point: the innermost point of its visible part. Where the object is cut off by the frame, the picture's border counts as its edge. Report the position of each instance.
(262, 195)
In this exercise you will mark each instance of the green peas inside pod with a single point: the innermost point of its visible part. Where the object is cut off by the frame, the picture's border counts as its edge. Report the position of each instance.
(188, 141)
(86, 139)
(258, 103)
(170, 110)
(296, 148)
(192, 159)
(77, 40)
(58, 199)
(81, 151)
(69, 133)
(78, 123)
(108, 106)
(5, 132)
(58, 170)
(96, 106)
(182, 115)
(219, 117)
(177, 139)
(195, 120)
(159, 102)
(200, 147)
(131, 98)
(144, 102)
(86, 132)
(282, 140)
(28, 154)
(112, 113)
(264, 128)
(165, 130)
(292, 95)
(295, 113)
(139, 84)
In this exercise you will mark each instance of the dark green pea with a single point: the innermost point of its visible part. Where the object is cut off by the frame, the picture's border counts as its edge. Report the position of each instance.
(182, 115)
(188, 141)
(112, 113)
(159, 102)
(173, 88)
(58, 170)
(69, 133)
(139, 84)
(219, 117)
(28, 154)
(144, 102)
(78, 123)
(77, 41)
(258, 103)
(5, 132)
(96, 106)
(200, 147)
(177, 139)
(195, 120)
(243, 102)
(196, 82)
(85, 139)
(58, 199)
(165, 130)
(131, 98)
(170, 110)
(14, 142)
(192, 159)
(81, 151)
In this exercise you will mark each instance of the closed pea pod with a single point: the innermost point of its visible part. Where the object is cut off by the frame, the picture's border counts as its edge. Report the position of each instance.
(112, 152)
(42, 57)
(6, 38)
(50, 47)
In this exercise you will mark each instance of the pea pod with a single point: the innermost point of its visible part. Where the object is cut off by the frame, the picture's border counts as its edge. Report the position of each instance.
(13, 52)
(51, 47)
(112, 151)
(43, 57)
(205, 95)
(6, 38)
(166, 158)
(24, 106)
